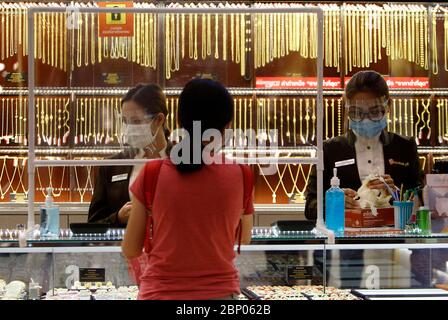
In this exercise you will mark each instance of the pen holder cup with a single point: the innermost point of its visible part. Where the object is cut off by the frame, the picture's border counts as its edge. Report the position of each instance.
(402, 213)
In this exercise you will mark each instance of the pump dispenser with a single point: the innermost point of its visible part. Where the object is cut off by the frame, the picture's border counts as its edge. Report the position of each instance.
(335, 182)
(335, 206)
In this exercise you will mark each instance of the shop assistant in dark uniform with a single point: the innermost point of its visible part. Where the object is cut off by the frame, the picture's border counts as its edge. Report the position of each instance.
(145, 135)
(366, 148)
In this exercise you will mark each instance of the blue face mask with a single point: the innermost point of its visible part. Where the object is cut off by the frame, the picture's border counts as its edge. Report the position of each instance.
(368, 128)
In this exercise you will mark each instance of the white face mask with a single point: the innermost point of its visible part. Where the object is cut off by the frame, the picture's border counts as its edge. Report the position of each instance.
(139, 135)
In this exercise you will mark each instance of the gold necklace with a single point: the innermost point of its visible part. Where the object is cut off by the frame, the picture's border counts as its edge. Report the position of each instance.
(232, 37)
(3, 122)
(203, 36)
(275, 121)
(347, 42)
(439, 120)
(281, 121)
(307, 118)
(411, 117)
(294, 121)
(435, 66)
(332, 118)
(406, 117)
(243, 45)
(288, 132)
(190, 36)
(445, 131)
(314, 119)
(195, 46)
(400, 119)
(326, 119)
(209, 35)
(88, 102)
(237, 39)
(426, 109)
(445, 38)
(183, 35)
(273, 190)
(418, 117)
(2, 36)
(224, 37)
(422, 44)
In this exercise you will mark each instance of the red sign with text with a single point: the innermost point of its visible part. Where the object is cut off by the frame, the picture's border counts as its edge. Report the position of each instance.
(296, 83)
(335, 82)
(404, 82)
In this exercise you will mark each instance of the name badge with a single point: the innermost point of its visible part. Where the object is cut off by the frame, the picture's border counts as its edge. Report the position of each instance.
(119, 177)
(344, 163)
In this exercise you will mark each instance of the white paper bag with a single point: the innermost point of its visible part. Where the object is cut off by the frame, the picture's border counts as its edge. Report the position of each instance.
(435, 193)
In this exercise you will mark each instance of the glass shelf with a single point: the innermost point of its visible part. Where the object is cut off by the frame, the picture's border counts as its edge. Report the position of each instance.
(260, 235)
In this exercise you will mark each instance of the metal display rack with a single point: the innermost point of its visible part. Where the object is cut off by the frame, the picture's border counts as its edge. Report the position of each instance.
(32, 91)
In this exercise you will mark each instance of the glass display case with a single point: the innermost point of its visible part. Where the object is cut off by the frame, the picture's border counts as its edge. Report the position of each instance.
(273, 266)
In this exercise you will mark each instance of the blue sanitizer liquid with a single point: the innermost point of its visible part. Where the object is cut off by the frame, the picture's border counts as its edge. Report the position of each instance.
(335, 206)
(335, 210)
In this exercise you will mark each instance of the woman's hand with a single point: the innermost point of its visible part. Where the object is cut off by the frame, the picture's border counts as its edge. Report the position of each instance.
(350, 202)
(125, 211)
(378, 184)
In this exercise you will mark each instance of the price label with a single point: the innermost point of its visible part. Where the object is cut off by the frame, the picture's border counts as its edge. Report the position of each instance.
(92, 275)
(296, 272)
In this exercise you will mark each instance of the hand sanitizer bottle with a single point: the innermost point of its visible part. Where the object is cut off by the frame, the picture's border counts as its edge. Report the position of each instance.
(49, 216)
(335, 206)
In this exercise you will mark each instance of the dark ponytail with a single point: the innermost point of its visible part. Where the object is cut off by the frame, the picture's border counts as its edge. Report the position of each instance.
(208, 102)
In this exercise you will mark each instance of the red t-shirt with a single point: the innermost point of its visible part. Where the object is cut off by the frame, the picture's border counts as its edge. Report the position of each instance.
(195, 219)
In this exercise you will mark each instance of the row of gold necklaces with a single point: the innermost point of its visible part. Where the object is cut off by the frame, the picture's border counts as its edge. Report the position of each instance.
(14, 120)
(410, 117)
(293, 118)
(401, 29)
(97, 120)
(217, 36)
(13, 30)
(13, 178)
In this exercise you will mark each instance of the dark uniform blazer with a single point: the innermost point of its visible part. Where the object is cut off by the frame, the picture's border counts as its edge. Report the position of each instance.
(400, 162)
(111, 192)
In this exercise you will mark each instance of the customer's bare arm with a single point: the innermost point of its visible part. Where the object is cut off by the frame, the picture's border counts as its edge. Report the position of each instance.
(134, 237)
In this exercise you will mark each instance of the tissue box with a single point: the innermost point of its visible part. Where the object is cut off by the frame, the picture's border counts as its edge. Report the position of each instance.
(363, 218)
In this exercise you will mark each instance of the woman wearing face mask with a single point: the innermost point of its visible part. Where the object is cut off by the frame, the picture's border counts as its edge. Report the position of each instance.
(145, 136)
(367, 148)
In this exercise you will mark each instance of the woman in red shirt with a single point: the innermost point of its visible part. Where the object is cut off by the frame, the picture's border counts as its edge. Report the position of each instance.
(198, 211)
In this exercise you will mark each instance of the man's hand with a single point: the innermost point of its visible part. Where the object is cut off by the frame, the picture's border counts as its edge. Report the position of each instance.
(350, 202)
(378, 184)
(125, 211)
